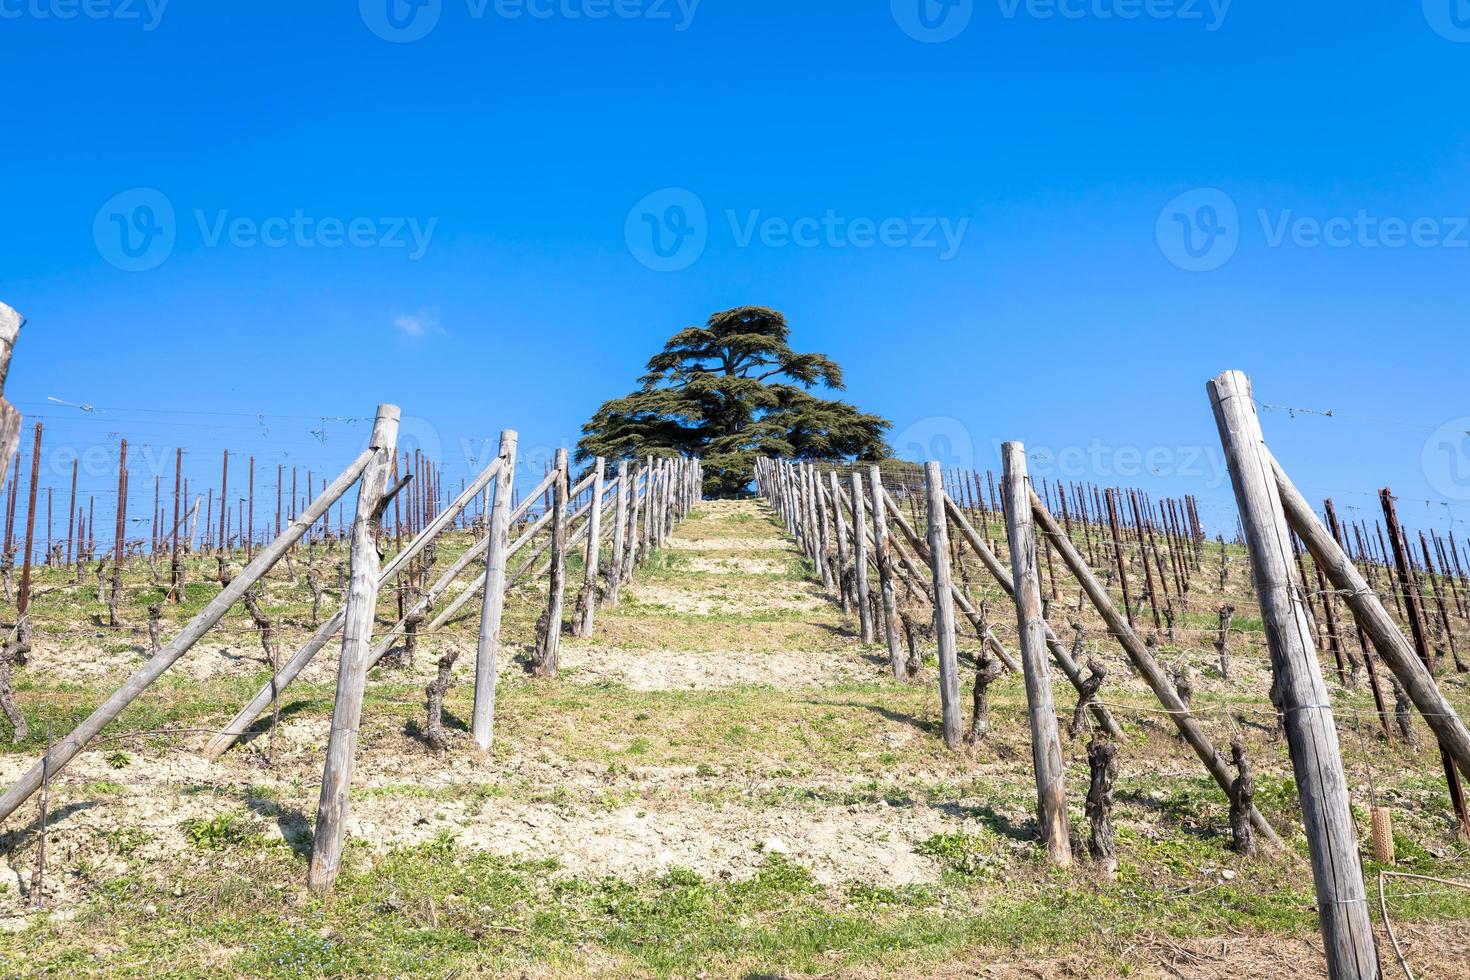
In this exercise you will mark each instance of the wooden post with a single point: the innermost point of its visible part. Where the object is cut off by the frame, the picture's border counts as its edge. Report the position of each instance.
(1302, 694)
(10, 419)
(594, 551)
(67, 749)
(620, 537)
(71, 512)
(357, 637)
(224, 499)
(883, 556)
(1147, 667)
(23, 597)
(548, 656)
(1046, 742)
(1376, 621)
(860, 557)
(492, 601)
(949, 684)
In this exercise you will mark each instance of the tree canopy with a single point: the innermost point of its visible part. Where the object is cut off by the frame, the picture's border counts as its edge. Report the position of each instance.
(729, 392)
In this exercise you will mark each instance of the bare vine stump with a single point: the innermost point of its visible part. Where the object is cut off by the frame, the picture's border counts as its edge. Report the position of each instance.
(155, 614)
(268, 646)
(1242, 797)
(101, 582)
(1087, 695)
(987, 671)
(314, 582)
(114, 597)
(434, 732)
(413, 620)
(7, 574)
(1101, 845)
(15, 654)
(912, 632)
(1222, 638)
(1403, 713)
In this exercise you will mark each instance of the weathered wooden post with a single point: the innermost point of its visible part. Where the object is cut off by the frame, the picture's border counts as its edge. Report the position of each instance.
(548, 653)
(357, 637)
(1302, 695)
(884, 558)
(944, 630)
(1374, 619)
(593, 554)
(620, 537)
(23, 597)
(860, 558)
(1046, 742)
(492, 601)
(10, 418)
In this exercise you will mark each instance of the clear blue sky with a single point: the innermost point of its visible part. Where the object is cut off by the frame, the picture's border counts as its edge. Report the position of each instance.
(1063, 315)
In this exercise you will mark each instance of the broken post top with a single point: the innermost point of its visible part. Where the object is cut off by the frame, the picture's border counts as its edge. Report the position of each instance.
(10, 324)
(388, 415)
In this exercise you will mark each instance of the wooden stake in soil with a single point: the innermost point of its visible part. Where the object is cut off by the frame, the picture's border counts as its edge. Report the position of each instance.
(860, 557)
(1046, 742)
(883, 556)
(1301, 692)
(944, 628)
(593, 556)
(23, 598)
(620, 537)
(492, 601)
(357, 635)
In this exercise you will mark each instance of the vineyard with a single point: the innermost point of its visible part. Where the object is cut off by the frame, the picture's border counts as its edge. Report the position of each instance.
(879, 720)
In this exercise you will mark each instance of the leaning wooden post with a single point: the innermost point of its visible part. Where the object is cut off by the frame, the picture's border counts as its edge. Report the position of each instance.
(949, 682)
(882, 554)
(593, 553)
(1046, 742)
(1302, 695)
(492, 601)
(547, 657)
(620, 532)
(860, 557)
(1375, 620)
(357, 637)
(68, 748)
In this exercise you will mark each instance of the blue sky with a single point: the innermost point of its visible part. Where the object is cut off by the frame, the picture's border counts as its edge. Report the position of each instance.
(980, 213)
